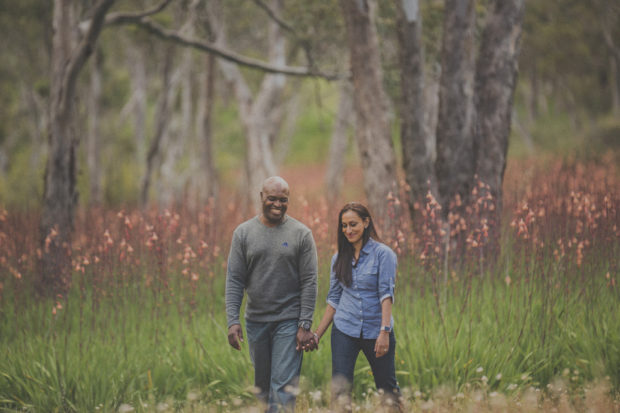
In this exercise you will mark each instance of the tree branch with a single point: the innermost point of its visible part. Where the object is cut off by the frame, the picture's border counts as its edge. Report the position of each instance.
(173, 36)
(609, 41)
(273, 16)
(302, 41)
(124, 18)
(83, 50)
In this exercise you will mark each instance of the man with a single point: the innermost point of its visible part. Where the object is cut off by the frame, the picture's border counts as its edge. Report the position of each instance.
(273, 258)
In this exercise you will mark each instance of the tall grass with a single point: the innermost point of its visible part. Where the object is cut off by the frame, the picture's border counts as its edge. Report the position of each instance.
(143, 325)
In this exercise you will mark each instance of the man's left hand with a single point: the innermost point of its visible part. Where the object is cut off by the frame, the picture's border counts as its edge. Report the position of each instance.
(306, 340)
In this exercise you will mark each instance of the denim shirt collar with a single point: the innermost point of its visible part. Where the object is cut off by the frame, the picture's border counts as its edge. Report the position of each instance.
(368, 247)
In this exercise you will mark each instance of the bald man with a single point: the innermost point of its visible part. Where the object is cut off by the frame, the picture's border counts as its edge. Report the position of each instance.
(273, 258)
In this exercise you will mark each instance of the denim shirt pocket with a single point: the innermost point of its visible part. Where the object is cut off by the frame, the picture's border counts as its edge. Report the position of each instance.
(369, 276)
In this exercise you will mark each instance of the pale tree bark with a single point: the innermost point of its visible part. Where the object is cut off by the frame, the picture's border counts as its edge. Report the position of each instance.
(372, 126)
(93, 143)
(339, 142)
(259, 114)
(523, 131)
(534, 97)
(207, 175)
(496, 78)
(171, 182)
(60, 194)
(281, 142)
(162, 121)
(37, 108)
(455, 154)
(137, 105)
(431, 110)
(417, 155)
(206, 182)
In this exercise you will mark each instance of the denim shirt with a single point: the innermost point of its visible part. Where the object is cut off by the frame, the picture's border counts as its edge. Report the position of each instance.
(358, 307)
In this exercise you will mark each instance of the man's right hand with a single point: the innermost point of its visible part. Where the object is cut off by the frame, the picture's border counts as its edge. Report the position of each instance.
(235, 336)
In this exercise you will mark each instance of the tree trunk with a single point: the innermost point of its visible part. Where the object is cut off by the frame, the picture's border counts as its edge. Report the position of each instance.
(93, 145)
(137, 72)
(161, 125)
(455, 155)
(207, 181)
(417, 160)
(260, 115)
(533, 101)
(339, 142)
(431, 110)
(60, 194)
(173, 181)
(496, 78)
(285, 124)
(372, 129)
(38, 111)
(609, 13)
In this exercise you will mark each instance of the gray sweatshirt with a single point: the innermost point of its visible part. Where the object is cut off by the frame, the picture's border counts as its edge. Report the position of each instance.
(277, 267)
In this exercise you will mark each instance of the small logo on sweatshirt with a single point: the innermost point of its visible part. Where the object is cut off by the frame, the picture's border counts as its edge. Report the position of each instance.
(285, 244)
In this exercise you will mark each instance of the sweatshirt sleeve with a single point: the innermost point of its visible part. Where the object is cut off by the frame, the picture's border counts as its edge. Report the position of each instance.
(308, 269)
(236, 276)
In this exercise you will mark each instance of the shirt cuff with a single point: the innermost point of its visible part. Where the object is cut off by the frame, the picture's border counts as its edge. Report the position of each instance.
(388, 295)
(233, 322)
(332, 303)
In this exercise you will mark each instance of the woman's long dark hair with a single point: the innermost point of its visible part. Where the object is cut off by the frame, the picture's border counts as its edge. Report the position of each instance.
(343, 266)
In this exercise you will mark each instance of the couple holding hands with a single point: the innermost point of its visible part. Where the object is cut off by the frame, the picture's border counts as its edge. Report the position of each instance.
(273, 259)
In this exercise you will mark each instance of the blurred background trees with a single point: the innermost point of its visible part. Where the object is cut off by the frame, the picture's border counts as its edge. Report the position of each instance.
(180, 100)
(568, 74)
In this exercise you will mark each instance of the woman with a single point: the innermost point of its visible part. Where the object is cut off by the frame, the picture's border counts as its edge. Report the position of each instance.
(359, 302)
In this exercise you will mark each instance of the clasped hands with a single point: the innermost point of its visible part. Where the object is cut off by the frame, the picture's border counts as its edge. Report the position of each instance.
(307, 340)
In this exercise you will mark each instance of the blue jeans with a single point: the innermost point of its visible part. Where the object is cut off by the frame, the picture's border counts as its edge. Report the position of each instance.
(345, 350)
(276, 362)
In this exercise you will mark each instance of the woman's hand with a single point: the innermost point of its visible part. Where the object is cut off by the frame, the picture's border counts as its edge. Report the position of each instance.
(382, 344)
(306, 340)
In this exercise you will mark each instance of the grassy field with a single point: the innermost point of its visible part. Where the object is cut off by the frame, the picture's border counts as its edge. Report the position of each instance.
(143, 328)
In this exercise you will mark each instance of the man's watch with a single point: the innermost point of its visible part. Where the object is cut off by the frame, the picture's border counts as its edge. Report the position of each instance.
(305, 325)
(387, 329)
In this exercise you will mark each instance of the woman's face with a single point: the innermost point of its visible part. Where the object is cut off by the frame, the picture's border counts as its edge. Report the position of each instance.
(353, 227)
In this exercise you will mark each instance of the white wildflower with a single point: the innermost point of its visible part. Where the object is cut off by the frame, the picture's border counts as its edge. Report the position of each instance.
(125, 408)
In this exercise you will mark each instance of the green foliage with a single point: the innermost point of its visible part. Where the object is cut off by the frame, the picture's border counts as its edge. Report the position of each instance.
(22, 185)
(603, 139)
(143, 346)
(312, 134)
(229, 138)
(563, 49)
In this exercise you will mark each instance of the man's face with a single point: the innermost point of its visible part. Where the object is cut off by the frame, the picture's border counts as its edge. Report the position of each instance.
(275, 203)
